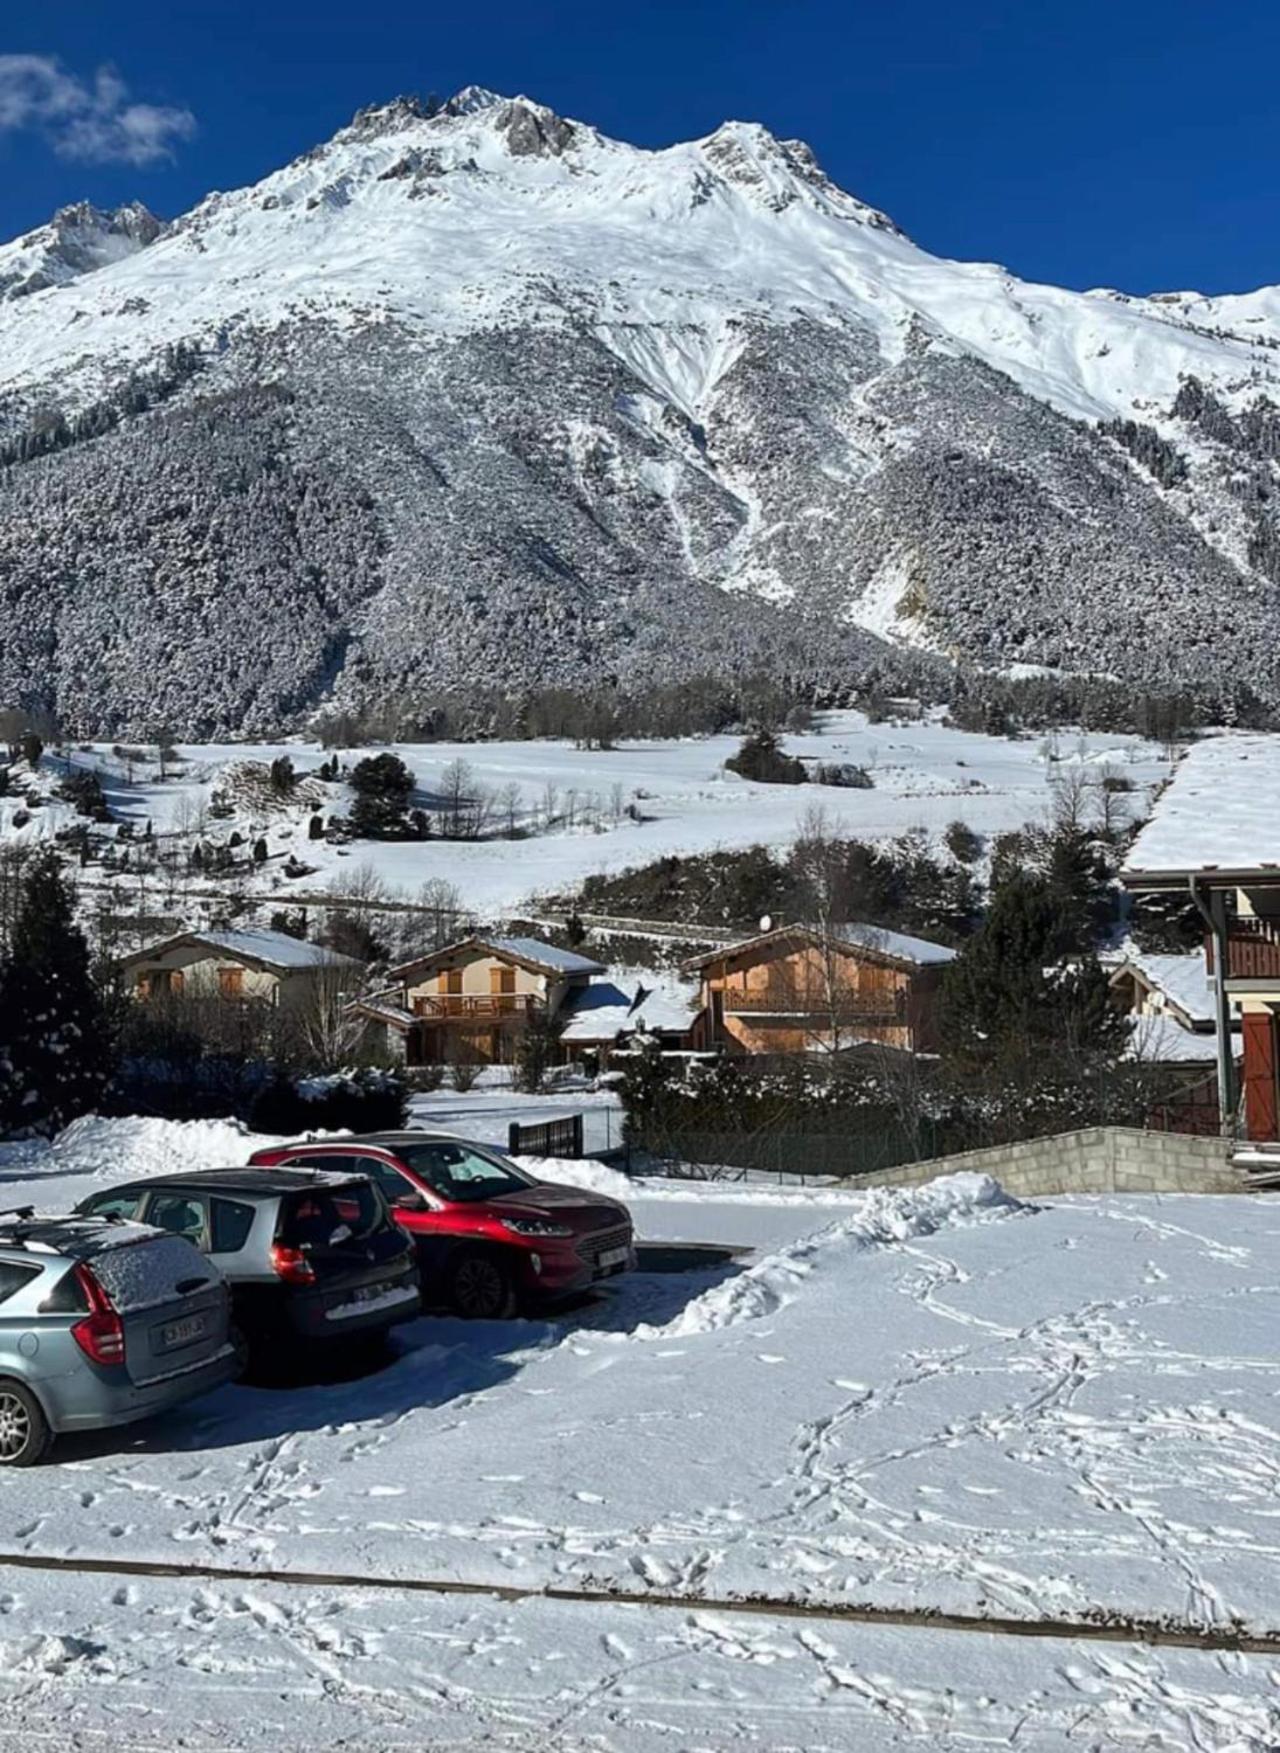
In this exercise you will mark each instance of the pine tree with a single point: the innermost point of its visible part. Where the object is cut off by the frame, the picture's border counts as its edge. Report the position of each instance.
(55, 1046)
(1009, 1000)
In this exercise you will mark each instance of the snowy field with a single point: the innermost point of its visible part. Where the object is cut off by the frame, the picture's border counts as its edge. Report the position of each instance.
(939, 1400)
(925, 776)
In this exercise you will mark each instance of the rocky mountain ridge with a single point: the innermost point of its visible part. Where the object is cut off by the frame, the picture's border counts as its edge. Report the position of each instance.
(471, 393)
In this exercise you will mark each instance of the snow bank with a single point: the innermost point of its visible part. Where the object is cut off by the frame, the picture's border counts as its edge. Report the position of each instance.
(131, 1148)
(881, 1216)
(582, 1172)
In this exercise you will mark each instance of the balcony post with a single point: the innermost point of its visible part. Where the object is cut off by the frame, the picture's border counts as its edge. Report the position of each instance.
(1214, 912)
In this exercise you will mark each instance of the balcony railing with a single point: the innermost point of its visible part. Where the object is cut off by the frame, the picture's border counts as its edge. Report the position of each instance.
(445, 1007)
(844, 1007)
(1253, 950)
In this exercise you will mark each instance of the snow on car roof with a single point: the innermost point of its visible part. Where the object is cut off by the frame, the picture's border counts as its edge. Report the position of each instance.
(1219, 812)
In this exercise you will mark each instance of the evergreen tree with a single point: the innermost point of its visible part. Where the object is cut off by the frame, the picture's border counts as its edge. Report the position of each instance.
(55, 1050)
(1008, 1000)
(383, 786)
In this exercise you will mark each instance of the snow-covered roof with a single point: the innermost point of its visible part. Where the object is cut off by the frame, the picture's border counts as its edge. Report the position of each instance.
(605, 1010)
(1182, 980)
(533, 949)
(1163, 1040)
(270, 949)
(897, 946)
(1220, 813)
(546, 958)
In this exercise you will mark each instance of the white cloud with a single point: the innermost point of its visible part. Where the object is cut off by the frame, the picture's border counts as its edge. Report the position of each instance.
(91, 120)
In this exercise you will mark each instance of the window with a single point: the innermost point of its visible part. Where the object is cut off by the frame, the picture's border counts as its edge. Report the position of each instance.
(502, 980)
(230, 1223)
(13, 1277)
(180, 1213)
(457, 1172)
(394, 1184)
(452, 980)
(161, 983)
(122, 1205)
(330, 1216)
(231, 982)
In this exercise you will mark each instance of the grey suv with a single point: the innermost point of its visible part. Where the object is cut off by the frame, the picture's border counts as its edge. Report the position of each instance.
(309, 1256)
(101, 1323)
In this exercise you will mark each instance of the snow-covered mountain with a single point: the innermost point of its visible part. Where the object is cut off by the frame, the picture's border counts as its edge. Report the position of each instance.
(77, 240)
(475, 393)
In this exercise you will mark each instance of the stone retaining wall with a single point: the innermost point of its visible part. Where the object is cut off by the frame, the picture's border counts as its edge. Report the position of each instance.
(1097, 1159)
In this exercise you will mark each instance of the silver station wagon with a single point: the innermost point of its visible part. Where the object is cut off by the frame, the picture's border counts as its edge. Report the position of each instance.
(101, 1323)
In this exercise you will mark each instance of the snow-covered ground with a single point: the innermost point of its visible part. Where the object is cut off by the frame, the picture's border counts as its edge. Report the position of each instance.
(937, 1399)
(925, 776)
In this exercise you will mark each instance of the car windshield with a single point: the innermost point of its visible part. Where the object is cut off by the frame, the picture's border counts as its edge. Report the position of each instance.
(457, 1171)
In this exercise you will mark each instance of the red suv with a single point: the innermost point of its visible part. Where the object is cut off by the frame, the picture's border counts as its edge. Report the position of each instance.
(489, 1236)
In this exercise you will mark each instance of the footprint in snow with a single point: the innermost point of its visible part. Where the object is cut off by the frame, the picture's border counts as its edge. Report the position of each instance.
(588, 1497)
(769, 1357)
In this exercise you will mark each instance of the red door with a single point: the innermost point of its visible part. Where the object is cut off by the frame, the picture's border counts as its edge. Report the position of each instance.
(1261, 1116)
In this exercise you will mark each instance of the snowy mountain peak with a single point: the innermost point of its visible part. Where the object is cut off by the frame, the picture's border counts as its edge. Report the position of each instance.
(78, 240)
(472, 99)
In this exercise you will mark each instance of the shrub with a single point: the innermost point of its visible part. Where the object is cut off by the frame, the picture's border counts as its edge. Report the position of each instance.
(963, 842)
(763, 759)
(845, 773)
(354, 1101)
(464, 1068)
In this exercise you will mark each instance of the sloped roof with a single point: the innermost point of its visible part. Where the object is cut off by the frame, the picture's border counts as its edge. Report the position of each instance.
(893, 946)
(533, 949)
(1219, 813)
(266, 949)
(605, 1010)
(531, 952)
(1163, 1040)
(1183, 980)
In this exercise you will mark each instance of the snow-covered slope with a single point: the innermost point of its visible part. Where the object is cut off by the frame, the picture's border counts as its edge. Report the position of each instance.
(467, 371)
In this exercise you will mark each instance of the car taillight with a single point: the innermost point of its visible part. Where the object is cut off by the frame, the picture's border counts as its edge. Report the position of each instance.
(292, 1265)
(100, 1335)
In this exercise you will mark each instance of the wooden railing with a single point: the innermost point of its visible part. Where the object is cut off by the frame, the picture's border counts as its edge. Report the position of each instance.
(844, 1006)
(1253, 950)
(444, 1007)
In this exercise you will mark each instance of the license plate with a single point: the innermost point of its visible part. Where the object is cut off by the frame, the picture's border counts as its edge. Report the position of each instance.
(612, 1257)
(182, 1332)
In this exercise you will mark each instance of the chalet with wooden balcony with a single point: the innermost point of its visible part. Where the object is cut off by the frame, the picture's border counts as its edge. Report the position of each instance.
(1214, 836)
(821, 988)
(472, 999)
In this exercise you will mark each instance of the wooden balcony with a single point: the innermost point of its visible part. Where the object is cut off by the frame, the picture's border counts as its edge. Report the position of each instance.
(846, 1008)
(1253, 950)
(476, 1007)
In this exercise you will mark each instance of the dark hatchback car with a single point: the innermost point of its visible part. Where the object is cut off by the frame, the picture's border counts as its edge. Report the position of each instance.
(489, 1236)
(309, 1255)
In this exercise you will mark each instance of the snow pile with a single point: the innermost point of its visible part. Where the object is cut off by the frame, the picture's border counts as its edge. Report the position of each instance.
(582, 1172)
(881, 1217)
(136, 1147)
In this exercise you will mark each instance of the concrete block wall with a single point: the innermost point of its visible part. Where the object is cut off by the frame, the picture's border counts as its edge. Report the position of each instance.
(1095, 1159)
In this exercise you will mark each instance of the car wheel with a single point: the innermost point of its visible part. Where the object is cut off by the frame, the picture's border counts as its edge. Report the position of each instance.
(24, 1429)
(480, 1288)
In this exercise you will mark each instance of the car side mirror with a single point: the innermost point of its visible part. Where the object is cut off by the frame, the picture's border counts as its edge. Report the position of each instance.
(410, 1201)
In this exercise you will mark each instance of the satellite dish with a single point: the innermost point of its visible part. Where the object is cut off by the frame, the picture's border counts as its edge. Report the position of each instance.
(766, 922)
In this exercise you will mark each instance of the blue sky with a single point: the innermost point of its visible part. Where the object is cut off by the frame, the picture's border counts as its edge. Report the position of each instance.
(1130, 144)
